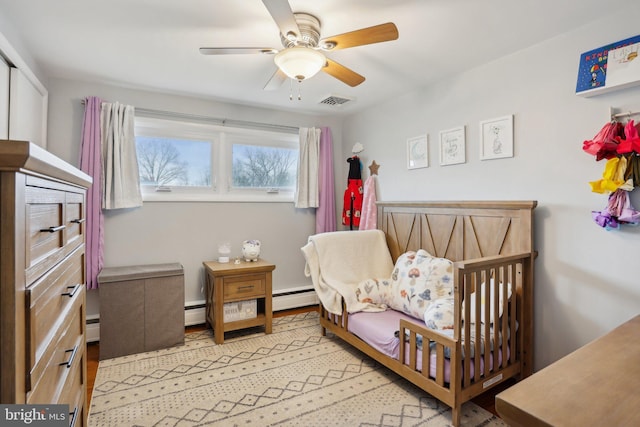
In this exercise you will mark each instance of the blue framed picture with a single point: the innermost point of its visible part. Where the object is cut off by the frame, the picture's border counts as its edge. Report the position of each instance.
(592, 70)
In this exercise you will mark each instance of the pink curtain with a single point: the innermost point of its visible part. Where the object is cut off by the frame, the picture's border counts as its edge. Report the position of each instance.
(326, 212)
(91, 164)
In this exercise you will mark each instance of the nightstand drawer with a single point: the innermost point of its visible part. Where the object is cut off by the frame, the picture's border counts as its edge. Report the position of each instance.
(243, 286)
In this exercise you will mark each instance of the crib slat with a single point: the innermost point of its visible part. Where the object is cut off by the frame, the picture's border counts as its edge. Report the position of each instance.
(487, 321)
(477, 324)
(498, 329)
(401, 353)
(440, 364)
(426, 358)
(467, 329)
(413, 348)
(515, 315)
(498, 290)
(469, 279)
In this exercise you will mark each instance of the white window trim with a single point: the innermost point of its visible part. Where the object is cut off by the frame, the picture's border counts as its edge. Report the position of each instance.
(221, 190)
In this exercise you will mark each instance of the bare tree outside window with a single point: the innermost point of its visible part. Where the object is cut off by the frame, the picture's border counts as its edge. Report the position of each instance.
(183, 161)
(260, 167)
(169, 162)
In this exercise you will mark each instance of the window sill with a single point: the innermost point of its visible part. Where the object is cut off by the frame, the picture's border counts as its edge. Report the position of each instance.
(222, 198)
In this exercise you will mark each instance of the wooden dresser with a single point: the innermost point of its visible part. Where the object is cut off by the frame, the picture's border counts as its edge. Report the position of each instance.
(596, 385)
(42, 279)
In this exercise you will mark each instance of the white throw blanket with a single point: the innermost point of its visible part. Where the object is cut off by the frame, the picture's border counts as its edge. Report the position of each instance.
(338, 261)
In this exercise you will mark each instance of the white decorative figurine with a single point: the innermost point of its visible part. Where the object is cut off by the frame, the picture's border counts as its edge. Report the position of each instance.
(251, 250)
(224, 250)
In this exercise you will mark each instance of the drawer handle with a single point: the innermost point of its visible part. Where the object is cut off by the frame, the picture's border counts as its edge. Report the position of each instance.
(74, 289)
(73, 356)
(78, 221)
(245, 288)
(74, 416)
(53, 229)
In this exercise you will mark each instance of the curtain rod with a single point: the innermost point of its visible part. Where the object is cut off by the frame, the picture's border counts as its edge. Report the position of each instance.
(214, 120)
(627, 114)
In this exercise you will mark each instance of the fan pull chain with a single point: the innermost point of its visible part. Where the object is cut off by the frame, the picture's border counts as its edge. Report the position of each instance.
(291, 90)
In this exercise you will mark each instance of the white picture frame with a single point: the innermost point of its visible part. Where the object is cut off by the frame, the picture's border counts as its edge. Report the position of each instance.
(453, 146)
(418, 152)
(496, 138)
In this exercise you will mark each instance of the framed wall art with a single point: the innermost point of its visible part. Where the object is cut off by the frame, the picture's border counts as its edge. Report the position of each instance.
(418, 152)
(496, 138)
(452, 146)
(609, 67)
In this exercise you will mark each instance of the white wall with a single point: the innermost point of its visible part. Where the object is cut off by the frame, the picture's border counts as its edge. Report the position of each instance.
(586, 279)
(188, 233)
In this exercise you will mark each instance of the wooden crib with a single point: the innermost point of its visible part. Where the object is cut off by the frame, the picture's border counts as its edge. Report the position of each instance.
(485, 240)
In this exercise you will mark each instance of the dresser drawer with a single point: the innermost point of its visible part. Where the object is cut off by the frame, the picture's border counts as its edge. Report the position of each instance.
(75, 219)
(78, 409)
(54, 227)
(73, 392)
(45, 224)
(243, 286)
(62, 355)
(48, 299)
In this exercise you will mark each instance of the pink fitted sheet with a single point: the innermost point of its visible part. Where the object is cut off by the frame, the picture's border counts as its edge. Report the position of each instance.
(378, 330)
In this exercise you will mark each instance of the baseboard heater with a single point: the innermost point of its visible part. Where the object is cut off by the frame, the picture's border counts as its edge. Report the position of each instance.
(194, 312)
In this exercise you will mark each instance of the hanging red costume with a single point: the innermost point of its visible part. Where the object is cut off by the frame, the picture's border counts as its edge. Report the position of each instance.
(353, 194)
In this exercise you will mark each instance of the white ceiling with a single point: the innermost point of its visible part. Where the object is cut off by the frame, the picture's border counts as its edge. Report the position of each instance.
(153, 44)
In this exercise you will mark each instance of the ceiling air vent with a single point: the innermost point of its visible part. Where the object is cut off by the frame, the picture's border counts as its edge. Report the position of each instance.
(335, 100)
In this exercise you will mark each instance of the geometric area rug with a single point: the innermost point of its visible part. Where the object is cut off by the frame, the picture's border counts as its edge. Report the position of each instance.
(291, 377)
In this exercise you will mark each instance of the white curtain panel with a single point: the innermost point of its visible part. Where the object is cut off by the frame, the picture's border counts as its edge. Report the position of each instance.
(121, 181)
(307, 195)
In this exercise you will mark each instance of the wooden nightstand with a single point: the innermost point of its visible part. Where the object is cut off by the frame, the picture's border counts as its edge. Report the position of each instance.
(229, 282)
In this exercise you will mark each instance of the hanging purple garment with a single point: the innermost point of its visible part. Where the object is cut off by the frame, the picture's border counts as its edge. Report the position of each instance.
(91, 164)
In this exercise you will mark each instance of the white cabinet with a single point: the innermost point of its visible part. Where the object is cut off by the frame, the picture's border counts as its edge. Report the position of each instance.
(4, 99)
(23, 99)
(27, 109)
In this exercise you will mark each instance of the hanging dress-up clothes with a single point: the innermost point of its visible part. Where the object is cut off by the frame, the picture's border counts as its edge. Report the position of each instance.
(353, 194)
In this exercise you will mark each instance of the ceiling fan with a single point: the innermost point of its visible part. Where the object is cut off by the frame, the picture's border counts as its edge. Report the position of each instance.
(303, 55)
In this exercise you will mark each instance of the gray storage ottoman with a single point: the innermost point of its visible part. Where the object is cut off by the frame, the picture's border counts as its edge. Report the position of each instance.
(141, 308)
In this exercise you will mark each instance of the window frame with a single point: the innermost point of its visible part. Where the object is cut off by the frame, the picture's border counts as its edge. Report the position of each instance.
(221, 139)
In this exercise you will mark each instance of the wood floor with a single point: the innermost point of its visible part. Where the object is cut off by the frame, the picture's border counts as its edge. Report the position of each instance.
(485, 400)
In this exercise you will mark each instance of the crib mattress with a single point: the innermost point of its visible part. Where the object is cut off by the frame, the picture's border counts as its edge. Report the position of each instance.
(378, 330)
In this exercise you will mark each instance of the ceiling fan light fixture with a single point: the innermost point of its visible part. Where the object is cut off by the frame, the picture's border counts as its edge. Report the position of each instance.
(300, 62)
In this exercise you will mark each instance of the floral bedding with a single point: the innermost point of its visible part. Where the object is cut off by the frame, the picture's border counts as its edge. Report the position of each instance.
(417, 281)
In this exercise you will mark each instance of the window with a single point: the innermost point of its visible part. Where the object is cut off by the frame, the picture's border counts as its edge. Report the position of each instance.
(165, 162)
(185, 161)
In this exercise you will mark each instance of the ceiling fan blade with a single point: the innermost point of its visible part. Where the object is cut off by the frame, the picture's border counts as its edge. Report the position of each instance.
(369, 35)
(343, 73)
(236, 50)
(276, 80)
(281, 12)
